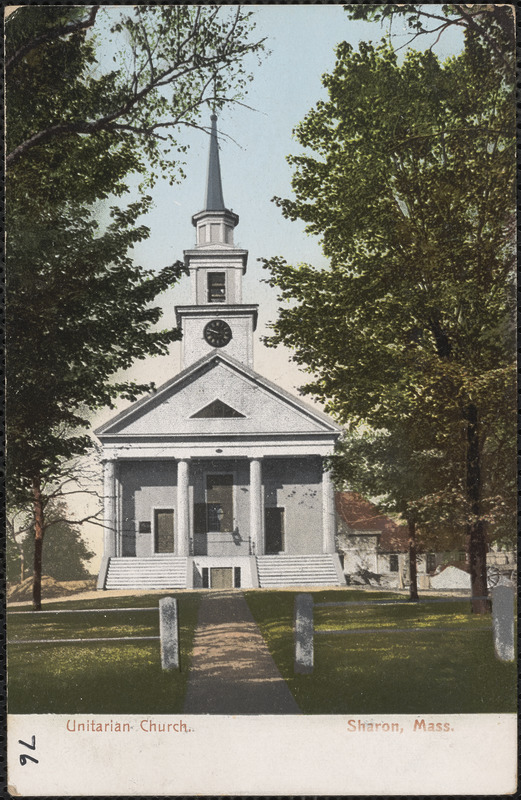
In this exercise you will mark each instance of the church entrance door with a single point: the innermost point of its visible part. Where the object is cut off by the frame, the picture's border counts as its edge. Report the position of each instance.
(221, 578)
(219, 502)
(164, 530)
(274, 525)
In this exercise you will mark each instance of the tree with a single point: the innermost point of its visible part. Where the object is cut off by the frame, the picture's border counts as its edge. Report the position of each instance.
(410, 186)
(65, 555)
(79, 310)
(175, 61)
(493, 23)
(408, 474)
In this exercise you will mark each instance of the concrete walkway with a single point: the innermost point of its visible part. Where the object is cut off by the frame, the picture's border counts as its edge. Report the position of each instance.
(232, 671)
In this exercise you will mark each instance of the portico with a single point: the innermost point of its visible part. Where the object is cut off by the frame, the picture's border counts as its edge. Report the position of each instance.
(218, 507)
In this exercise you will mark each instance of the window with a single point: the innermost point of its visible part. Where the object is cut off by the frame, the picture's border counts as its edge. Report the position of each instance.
(216, 287)
(144, 527)
(206, 582)
(393, 562)
(217, 409)
(237, 577)
(430, 562)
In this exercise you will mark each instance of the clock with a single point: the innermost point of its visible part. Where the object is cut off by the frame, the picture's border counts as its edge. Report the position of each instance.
(217, 333)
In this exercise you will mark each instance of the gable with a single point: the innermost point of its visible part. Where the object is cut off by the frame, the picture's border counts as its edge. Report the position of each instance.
(190, 405)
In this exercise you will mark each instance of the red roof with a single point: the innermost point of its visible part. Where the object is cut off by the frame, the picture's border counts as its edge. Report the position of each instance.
(395, 539)
(361, 515)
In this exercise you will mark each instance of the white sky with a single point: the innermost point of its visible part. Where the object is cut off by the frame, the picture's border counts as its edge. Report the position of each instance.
(302, 39)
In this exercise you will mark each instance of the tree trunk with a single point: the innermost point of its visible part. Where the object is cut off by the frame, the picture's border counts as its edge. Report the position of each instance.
(413, 572)
(476, 529)
(38, 543)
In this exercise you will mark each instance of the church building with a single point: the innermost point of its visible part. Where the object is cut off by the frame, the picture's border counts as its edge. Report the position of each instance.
(216, 479)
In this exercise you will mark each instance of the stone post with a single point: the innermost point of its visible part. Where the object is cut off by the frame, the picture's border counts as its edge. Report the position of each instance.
(503, 622)
(328, 513)
(183, 509)
(169, 633)
(109, 508)
(256, 532)
(303, 634)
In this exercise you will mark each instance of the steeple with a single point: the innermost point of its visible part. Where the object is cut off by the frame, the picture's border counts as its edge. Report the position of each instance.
(215, 223)
(214, 200)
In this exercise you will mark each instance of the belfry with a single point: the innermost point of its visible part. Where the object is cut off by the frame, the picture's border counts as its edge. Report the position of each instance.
(217, 479)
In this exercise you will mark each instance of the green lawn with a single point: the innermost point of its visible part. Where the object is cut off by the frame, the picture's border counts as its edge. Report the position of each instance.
(101, 678)
(453, 671)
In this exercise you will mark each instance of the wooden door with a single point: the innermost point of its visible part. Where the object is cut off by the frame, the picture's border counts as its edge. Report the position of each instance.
(221, 577)
(219, 502)
(274, 526)
(164, 530)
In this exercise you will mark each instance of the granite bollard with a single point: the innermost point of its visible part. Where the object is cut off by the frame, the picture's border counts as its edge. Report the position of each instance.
(503, 622)
(304, 633)
(169, 633)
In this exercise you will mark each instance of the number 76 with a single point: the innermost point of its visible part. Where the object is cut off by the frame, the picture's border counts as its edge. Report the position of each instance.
(24, 758)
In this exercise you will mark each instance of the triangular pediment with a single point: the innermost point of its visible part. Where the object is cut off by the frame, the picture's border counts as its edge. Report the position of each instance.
(218, 395)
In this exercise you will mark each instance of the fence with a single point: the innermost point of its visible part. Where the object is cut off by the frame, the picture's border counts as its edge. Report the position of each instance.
(502, 624)
(168, 630)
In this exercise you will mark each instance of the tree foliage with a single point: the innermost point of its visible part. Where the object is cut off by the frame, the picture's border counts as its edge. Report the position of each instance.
(65, 556)
(170, 62)
(79, 309)
(410, 185)
(493, 23)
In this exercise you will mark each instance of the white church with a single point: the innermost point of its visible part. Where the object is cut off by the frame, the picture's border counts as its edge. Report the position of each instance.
(216, 479)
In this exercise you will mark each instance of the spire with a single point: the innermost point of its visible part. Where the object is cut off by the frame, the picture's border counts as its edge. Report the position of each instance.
(214, 200)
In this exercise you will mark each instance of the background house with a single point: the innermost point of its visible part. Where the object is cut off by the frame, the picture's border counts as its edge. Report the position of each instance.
(374, 548)
(375, 551)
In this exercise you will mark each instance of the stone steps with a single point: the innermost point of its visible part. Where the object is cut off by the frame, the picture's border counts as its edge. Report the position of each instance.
(158, 572)
(298, 570)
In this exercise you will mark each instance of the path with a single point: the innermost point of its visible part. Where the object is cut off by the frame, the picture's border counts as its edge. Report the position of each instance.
(232, 671)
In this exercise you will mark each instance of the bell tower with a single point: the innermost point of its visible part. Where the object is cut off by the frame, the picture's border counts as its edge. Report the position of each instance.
(217, 320)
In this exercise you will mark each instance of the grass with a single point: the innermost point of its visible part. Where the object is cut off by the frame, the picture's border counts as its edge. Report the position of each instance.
(98, 677)
(417, 672)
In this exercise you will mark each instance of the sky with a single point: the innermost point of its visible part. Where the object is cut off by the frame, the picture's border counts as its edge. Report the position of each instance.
(302, 41)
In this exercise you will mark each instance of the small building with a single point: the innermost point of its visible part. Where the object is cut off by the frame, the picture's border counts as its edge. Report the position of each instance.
(375, 551)
(217, 478)
(374, 548)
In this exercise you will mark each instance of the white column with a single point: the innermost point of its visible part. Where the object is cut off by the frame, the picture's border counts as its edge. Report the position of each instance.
(256, 532)
(183, 509)
(328, 513)
(109, 508)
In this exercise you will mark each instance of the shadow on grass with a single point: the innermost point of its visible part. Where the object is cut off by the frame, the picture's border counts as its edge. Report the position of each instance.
(437, 672)
(98, 678)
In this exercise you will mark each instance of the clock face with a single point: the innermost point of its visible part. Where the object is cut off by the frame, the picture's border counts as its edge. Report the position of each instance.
(217, 333)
